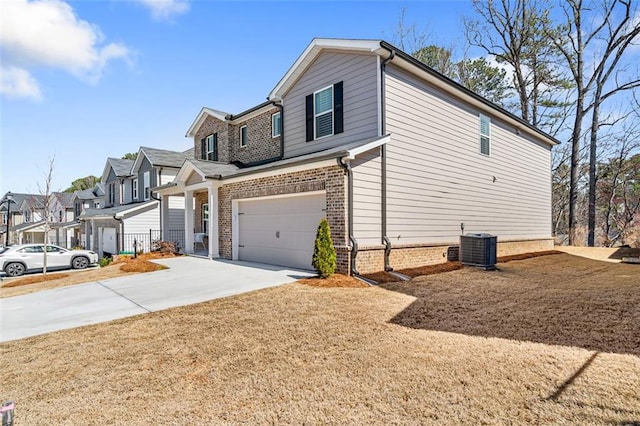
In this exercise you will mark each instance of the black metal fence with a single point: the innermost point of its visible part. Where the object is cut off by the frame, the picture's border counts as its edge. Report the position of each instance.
(142, 242)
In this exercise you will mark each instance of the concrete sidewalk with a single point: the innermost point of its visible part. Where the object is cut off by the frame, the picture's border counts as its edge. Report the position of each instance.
(188, 280)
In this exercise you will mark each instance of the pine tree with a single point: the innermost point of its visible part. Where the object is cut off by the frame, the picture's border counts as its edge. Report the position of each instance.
(324, 255)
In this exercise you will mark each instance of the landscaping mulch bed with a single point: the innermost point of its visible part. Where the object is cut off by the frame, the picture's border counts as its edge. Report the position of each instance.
(431, 269)
(336, 280)
(464, 347)
(34, 279)
(523, 256)
(382, 277)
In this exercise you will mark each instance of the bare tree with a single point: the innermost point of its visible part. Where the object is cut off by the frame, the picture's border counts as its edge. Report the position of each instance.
(47, 195)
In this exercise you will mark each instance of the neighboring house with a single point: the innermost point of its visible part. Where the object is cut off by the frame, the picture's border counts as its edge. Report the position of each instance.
(16, 218)
(131, 213)
(399, 158)
(91, 198)
(31, 228)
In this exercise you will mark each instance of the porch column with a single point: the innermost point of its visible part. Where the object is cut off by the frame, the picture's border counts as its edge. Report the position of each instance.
(188, 222)
(214, 250)
(164, 217)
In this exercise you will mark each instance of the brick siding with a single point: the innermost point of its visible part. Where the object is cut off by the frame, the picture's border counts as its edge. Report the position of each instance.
(332, 179)
(371, 259)
(260, 144)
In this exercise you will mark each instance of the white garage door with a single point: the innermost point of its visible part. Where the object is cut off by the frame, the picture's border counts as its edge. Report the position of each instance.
(280, 231)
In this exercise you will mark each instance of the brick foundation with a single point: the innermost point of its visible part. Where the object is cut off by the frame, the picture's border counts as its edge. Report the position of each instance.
(371, 259)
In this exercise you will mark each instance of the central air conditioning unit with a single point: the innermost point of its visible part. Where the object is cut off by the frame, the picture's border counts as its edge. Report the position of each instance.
(479, 250)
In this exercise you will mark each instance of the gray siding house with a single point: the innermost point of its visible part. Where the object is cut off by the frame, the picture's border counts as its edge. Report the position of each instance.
(400, 159)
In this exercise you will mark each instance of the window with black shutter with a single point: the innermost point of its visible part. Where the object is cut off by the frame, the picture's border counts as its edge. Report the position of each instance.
(324, 112)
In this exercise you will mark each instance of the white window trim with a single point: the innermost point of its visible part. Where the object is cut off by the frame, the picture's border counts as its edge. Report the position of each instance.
(210, 150)
(134, 191)
(273, 134)
(147, 185)
(488, 135)
(205, 229)
(315, 116)
(246, 141)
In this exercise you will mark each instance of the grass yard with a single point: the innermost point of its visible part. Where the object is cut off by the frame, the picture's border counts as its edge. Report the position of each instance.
(548, 340)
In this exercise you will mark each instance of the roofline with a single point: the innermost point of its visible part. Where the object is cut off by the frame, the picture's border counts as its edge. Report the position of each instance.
(424, 67)
(228, 117)
(322, 43)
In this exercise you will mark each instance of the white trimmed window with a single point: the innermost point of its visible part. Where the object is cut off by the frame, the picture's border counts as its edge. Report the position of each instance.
(485, 135)
(243, 136)
(4, 218)
(147, 185)
(276, 125)
(134, 190)
(323, 112)
(205, 218)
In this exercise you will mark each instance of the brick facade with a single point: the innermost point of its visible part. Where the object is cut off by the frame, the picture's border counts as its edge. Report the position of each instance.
(331, 179)
(260, 144)
(371, 259)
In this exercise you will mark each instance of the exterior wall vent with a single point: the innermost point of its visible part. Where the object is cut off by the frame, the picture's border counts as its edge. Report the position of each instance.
(479, 250)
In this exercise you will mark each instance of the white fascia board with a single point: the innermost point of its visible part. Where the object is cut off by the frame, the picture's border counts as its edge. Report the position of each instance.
(316, 46)
(143, 206)
(352, 153)
(185, 171)
(202, 115)
(282, 171)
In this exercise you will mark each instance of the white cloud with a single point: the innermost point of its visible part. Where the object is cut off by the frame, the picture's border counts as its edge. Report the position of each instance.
(18, 83)
(47, 33)
(162, 10)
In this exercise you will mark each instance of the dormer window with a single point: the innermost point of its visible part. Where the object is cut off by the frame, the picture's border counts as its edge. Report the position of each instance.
(209, 148)
(244, 140)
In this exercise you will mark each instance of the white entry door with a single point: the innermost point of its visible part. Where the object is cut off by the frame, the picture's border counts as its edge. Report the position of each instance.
(280, 231)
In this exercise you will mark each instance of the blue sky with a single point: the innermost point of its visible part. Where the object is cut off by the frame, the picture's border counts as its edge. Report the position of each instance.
(83, 81)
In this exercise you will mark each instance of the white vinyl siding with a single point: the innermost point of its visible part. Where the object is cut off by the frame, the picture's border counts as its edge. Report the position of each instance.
(367, 198)
(146, 179)
(141, 221)
(436, 180)
(360, 101)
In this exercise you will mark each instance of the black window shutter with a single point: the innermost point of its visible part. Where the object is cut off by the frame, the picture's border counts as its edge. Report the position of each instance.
(338, 120)
(309, 118)
(203, 149)
(215, 147)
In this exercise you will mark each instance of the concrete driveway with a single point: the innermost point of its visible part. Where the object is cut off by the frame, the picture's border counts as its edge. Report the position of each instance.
(188, 280)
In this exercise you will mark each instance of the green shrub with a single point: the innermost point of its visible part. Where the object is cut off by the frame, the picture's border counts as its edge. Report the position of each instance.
(324, 255)
(104, 261)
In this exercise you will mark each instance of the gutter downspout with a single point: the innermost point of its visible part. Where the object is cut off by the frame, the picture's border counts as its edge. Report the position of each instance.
(354, 244)
(281, 108)
(383, 165)
(159, 200)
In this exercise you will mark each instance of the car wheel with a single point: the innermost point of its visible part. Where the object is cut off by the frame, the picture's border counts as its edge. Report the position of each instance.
(80, 262)
(14, 269)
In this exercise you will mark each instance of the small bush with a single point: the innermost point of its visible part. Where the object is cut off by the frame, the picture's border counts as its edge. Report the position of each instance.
(324, 255)
(165, 246)
(104, 261)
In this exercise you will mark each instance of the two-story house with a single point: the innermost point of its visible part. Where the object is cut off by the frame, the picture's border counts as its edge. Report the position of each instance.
(130, 215)
(400, 159)
(11, 216)
(32, 227)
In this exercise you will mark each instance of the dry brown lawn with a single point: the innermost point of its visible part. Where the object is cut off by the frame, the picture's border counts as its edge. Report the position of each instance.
(121, 267)
(549, 340)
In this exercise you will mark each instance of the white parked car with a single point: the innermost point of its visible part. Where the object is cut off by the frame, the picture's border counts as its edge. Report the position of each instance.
(21, 258)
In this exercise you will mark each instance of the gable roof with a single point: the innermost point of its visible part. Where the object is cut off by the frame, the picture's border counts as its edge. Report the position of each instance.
(65, 198)
(396, 56)
(202, 115)
(18, 198)
(121, 167)
(160, 157)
